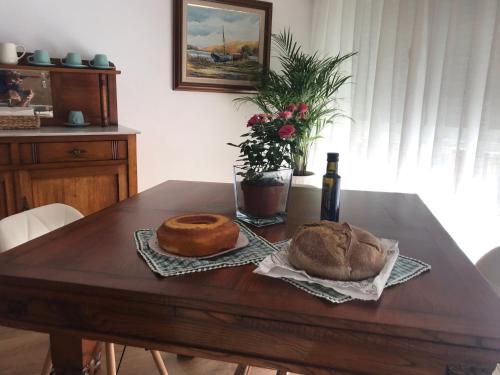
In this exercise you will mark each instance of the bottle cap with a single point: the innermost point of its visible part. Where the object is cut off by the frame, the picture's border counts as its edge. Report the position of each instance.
(333, 156)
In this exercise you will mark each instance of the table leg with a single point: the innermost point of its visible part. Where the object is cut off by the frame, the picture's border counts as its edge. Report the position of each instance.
(73, 356)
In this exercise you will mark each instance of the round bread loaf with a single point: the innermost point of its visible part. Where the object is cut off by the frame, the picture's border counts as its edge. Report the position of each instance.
(336, 251)
(197, 234)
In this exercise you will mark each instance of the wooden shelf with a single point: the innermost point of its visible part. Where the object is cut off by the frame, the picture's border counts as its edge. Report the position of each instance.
(93, 91)
(62, 69)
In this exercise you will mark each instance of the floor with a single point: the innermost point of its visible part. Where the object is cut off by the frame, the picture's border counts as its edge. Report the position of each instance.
(23, 352)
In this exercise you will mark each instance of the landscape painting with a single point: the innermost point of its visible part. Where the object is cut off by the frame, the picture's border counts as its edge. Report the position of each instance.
(224, 45)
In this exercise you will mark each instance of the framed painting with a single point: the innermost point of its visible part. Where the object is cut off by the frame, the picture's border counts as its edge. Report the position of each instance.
(221, 45)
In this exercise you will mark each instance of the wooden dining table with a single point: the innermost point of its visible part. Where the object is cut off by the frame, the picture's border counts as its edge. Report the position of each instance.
(86, 280)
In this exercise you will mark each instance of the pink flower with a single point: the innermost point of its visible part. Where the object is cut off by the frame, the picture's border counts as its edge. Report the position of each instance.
(292, 107)
(262, 118)
(254, 120)
(285, 115)
(303, 107)
(265, 117)
(286, 131)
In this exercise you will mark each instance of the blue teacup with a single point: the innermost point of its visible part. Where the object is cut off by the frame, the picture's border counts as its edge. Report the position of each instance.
(39, 57)
(72, 59)
(100, 61)
(76, 118)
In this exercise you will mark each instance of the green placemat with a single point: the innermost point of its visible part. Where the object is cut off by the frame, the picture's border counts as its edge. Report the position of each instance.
(405, 268)
(168, 265)
(258, 248)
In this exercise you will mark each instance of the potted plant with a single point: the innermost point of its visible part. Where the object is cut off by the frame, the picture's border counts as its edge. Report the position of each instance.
(303, 78)
(263, 177)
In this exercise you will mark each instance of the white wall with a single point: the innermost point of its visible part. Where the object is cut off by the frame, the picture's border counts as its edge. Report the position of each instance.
(184, 134)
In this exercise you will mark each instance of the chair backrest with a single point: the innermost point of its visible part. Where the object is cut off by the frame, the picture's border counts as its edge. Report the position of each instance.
(27, 225)
(489, 266)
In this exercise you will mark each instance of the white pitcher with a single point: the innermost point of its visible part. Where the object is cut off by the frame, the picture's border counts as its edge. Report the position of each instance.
(8, 53)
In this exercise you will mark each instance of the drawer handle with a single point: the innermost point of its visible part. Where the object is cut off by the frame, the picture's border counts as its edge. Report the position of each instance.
(76, 152)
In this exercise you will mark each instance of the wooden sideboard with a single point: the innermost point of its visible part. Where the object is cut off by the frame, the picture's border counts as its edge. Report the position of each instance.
(89, 169)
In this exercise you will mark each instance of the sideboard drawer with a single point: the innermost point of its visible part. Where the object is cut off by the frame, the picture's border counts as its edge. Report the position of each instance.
(55, 152)
(4, 154)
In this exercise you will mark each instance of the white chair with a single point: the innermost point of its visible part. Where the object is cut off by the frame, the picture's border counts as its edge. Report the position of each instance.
(27, 225)
(489, 266)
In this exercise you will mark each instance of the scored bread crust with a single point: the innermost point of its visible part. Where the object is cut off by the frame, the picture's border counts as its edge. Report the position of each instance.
(336, 251)
(197, 235)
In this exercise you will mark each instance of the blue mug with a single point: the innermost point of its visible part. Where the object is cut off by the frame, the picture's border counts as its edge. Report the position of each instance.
(100, 61)
(76, 118)
(40, 57)
(72, 59)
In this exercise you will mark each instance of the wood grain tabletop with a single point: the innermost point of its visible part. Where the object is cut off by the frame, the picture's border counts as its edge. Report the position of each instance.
(87, 280)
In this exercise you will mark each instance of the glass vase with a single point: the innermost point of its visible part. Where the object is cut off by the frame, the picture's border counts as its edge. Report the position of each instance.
(262, 201)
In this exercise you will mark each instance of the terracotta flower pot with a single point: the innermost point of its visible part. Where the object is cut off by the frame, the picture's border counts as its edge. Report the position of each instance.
(262, 201)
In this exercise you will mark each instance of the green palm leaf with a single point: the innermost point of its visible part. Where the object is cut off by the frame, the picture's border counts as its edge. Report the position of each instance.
(306, 78)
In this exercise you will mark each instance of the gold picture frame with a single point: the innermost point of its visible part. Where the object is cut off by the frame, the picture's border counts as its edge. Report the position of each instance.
(221, 45)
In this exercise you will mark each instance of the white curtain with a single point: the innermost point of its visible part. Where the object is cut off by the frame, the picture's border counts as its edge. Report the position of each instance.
(423, 106)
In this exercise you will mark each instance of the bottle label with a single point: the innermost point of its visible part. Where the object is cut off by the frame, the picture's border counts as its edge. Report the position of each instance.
(328, 184)
(332, 167)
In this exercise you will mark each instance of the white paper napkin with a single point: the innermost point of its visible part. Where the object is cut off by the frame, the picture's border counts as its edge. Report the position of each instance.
(277, 265)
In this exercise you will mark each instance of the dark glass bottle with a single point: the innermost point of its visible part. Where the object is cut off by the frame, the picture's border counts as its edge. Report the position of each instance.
(330, 199)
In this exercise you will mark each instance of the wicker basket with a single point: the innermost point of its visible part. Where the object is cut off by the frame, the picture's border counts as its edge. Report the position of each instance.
(19, 122)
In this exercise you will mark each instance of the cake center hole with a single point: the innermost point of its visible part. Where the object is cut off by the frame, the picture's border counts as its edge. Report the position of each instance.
(198, 220)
